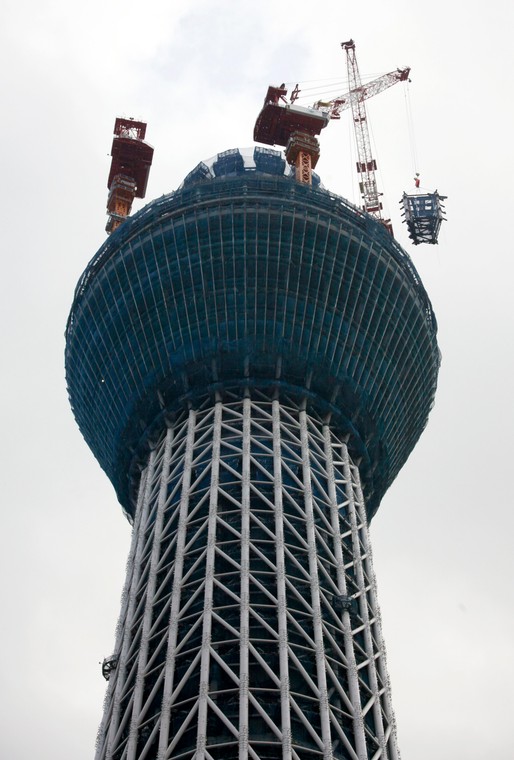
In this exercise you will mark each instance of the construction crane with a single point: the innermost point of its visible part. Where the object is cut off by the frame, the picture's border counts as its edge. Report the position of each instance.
(366, 164)
(282, 122)
(295, 127)
(130, 167)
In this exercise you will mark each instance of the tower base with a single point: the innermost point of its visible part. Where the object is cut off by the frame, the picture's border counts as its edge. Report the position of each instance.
(249, 624)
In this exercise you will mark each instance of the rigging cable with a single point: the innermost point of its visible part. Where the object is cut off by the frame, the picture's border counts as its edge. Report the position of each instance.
(410, 127)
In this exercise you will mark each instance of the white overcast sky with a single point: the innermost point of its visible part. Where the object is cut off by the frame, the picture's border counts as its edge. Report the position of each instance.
(197, 72)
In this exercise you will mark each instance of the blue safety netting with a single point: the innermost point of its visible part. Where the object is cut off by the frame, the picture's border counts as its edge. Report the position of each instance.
(248, 280)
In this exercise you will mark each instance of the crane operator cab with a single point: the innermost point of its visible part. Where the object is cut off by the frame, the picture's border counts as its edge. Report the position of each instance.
(423, 214)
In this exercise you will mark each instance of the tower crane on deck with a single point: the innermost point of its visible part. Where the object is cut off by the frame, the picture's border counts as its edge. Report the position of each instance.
(130, 167)
(282, 122)
(295, 127)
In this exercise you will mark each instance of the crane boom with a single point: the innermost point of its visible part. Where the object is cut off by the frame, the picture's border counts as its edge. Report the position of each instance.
(334, 107)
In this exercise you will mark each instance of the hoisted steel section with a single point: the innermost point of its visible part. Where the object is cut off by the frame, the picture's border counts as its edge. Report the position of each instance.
(423, 215)
(291, 126)
(130, 167)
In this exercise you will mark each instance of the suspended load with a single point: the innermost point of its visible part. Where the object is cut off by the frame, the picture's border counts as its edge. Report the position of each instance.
(423, 214)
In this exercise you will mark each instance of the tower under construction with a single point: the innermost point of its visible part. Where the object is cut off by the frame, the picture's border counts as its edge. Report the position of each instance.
(251, 360)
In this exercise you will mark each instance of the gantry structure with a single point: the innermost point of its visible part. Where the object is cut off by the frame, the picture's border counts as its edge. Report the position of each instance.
(251, 360)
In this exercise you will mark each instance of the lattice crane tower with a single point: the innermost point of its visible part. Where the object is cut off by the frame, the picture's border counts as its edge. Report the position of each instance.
(251, 360)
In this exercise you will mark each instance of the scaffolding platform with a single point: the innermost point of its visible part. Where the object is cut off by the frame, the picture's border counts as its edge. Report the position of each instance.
(130, 155)
(423, 214)
(278, 120)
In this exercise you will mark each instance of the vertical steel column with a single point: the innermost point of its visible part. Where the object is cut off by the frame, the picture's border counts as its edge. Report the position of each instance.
(121, 685)
(358, 522)
(149, 601)
(285, 705)
(244, 630)
(353, 681)
(176, 589)
(365, 606)
(209, 585)
(116, 681)
(388, 736)
(315, 595)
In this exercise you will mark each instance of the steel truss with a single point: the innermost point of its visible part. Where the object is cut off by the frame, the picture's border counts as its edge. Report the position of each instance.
(249, 624)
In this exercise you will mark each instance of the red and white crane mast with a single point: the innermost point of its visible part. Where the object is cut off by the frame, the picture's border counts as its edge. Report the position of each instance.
(366, 164)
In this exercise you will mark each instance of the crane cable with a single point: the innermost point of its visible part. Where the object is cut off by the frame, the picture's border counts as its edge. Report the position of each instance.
(410, 127)
(352, 160)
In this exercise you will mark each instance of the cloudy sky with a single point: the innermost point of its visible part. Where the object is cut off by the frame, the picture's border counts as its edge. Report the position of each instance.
(197, 72)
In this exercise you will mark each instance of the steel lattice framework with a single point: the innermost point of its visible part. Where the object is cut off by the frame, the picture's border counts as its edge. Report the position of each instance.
(249, 627)
(366, 164)
(251, 360)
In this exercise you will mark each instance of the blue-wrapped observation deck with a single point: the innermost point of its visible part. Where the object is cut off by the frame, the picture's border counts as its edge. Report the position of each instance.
(244, 278)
